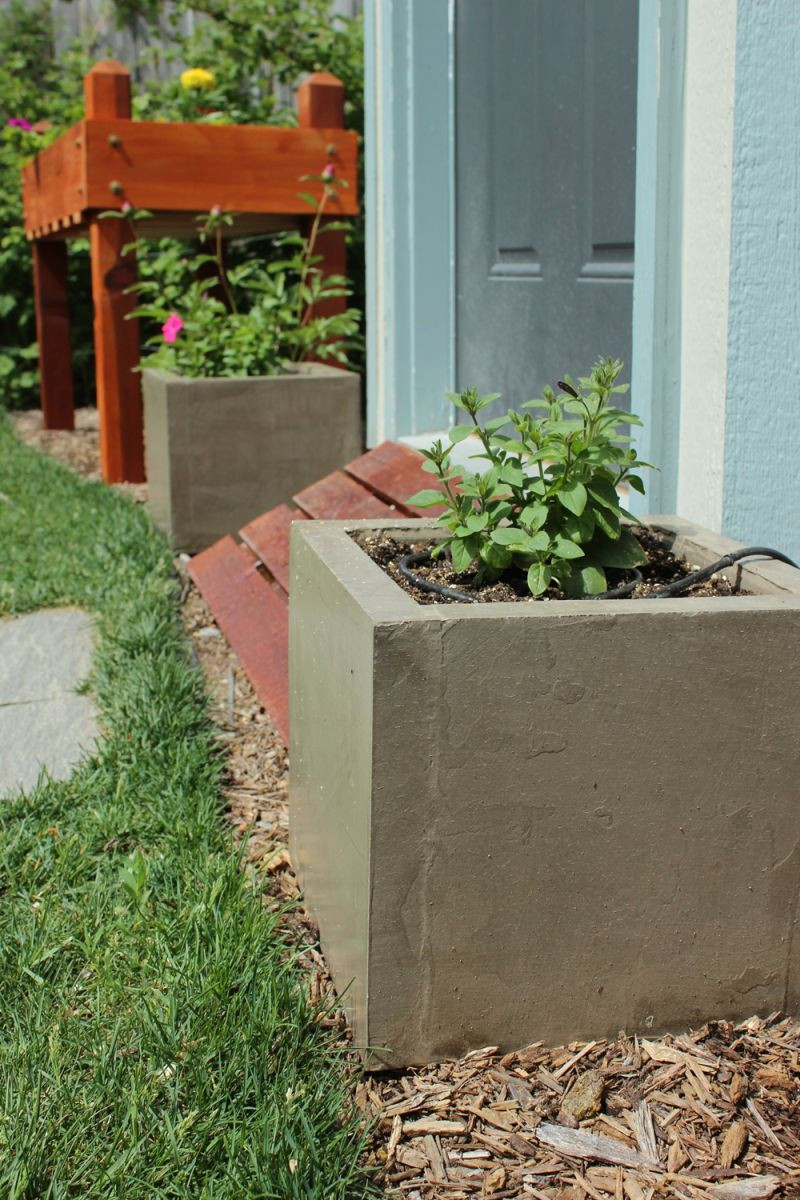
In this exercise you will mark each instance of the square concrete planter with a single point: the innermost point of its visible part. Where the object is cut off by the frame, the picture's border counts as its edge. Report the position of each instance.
(555, 821)
(219, 452)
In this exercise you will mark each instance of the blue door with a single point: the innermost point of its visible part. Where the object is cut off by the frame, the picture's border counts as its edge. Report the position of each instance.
(545, 115)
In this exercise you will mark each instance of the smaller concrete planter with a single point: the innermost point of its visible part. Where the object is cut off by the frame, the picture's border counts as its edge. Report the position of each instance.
(545, 820)
(219, 452)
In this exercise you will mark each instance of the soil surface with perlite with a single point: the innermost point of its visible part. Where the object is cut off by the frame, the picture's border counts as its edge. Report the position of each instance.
(662, 568)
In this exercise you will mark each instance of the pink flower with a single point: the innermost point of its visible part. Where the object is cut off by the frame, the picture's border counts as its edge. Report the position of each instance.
(171, 328)
(329, 170)
(127, 207)
(216, 211)
(20, 123)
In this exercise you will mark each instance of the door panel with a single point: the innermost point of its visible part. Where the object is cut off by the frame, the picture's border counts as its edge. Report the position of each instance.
(545, 169)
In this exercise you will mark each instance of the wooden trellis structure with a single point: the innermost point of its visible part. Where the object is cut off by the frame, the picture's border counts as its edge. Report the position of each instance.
(175, 171)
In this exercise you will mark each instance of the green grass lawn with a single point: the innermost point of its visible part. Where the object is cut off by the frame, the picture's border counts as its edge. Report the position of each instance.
(155, 1040)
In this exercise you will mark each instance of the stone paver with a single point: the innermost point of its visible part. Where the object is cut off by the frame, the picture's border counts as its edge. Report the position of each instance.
(44, 723)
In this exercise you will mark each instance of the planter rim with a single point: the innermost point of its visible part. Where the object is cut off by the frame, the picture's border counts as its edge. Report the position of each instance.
(772, 585)
(296, 371)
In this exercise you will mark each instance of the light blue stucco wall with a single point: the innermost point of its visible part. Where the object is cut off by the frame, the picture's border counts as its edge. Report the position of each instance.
(761, 491)
(656, 359)
(409, 215)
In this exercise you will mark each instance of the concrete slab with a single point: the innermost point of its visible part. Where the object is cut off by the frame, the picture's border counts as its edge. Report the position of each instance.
(44, 723)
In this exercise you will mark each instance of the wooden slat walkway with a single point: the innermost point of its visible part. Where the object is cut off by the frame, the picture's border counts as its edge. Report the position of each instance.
(246, 585)
(268, 538)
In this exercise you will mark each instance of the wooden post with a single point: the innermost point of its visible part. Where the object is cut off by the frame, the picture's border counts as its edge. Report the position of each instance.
(52, 330)
(320, 105)
(107, 89)
(320, 102)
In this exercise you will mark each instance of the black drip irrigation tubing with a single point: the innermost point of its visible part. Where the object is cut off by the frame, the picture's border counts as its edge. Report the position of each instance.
(426, 584)
(671, 589)
(681, 585)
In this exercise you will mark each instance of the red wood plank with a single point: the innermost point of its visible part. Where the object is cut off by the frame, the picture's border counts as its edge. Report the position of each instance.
(394, 472)
(254, 618)
(243, 168)
(338, 497)
(268, 538)
(52, 328)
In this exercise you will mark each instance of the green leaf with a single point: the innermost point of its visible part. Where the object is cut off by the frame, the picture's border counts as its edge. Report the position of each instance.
(636, 483)
(455, 399)
(499, 511)
(462, 551)
(495, 424)
(459, 432)
(476, 522)
(512, 475)
(519, 540)
(507, 535)
(496, 556)
(564, 548)
(534, 516)
(573, 497)
(588, 580)
(485, 401)
(539, 577)
(607, 521)
(426, 498)
(604, 492)
(579, 529)
(622, 552)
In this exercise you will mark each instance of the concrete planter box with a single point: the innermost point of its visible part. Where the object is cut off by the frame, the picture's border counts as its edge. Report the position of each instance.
(219, 452)
(555, 821)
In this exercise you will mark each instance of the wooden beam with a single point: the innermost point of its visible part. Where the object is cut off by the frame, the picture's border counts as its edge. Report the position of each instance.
(116, 344)
(174, 167)
(52, 330)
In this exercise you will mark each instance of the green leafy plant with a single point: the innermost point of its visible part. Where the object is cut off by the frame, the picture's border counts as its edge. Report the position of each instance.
(256, 54)
(254, 318)
(39, 95)
(547, 504)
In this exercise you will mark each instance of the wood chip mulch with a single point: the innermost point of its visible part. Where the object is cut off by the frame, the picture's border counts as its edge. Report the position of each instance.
(712, 1114)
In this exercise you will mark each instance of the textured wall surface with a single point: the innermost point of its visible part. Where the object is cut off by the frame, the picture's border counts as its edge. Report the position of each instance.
(761, 501)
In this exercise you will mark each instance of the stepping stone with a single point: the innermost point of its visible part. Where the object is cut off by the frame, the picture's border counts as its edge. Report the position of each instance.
(44, 724)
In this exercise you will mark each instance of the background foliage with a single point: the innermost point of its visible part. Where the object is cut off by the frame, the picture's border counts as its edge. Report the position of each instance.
(258, 50)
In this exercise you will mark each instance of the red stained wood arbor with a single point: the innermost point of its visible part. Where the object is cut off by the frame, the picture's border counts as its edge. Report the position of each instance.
(175, 171)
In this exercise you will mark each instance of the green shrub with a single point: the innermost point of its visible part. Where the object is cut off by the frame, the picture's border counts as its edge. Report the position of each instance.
(256, 52)
(252, 318)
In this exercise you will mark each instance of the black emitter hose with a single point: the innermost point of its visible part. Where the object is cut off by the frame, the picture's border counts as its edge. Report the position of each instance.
(427, 585)
(682, 585)
(670, 589)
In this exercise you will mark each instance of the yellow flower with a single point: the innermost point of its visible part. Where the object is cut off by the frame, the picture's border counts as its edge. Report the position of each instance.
(197, 78)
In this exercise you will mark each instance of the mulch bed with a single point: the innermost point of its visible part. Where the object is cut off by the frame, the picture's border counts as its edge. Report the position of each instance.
(708, 1115)
(663, 568)
(712, 1114)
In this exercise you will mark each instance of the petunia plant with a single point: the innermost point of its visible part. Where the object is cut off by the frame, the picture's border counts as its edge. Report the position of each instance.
(547, 502)
(253, 318)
